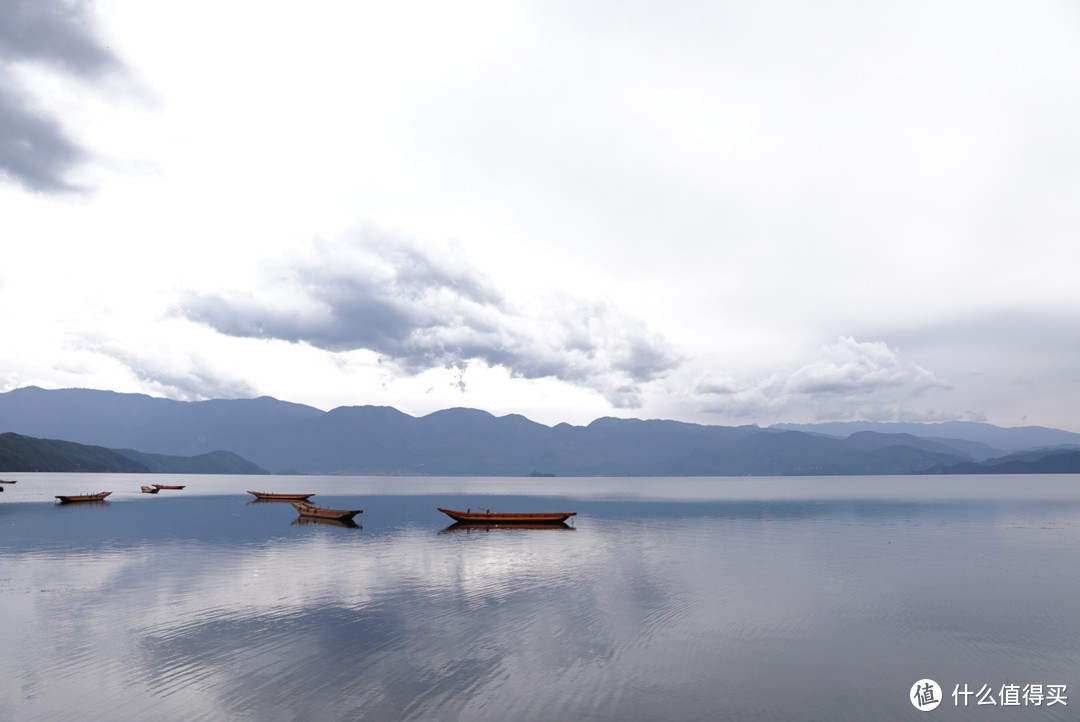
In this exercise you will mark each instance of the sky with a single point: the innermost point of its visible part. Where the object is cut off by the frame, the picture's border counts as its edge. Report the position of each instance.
(715, 212)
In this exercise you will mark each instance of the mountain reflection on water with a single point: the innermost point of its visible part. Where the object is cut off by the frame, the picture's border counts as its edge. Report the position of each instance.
(781, 605)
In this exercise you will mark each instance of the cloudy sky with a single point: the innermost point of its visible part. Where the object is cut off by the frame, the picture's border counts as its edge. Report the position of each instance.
(717, 212)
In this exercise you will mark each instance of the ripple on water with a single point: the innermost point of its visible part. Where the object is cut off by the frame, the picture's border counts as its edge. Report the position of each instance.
(658, 610)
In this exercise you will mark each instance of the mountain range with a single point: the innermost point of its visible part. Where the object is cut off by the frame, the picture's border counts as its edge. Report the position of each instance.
(285, 437)
(25, 453)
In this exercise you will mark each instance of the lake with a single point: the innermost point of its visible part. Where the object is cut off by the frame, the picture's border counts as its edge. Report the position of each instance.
(796, 598)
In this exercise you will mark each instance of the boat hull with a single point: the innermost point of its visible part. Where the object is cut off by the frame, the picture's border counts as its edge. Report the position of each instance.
(74, 499)
(487, 517)
(465, 527)
(266, 496)
(149, 489)
(315, 512)
(162, 486)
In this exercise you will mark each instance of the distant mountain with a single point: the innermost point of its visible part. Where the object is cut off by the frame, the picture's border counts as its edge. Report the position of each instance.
(997, 440)
(1042, 461)
(380, 440)
(215, 462)
(786, 453)
(24, 453)
(871, 440)
(154, 425)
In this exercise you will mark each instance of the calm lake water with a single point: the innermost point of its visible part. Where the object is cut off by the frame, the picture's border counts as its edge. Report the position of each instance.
(669, 599)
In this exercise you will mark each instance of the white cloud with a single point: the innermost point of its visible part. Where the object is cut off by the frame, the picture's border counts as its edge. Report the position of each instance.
(424, 308)
(851, 368)
(847, 379)
(636, 195)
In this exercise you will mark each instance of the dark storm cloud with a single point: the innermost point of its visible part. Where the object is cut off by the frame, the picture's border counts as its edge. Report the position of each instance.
(427, 310)
(55, 32)
(379, 296)
(35, 151)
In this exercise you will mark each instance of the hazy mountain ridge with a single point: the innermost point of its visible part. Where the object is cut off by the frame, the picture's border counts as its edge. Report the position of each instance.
(20, 453)
(997, 440)
(1055, 460)
(376, 440)
(214, 462)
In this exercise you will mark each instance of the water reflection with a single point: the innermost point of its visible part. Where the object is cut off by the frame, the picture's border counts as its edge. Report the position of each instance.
(208, 608)
(309, 520)
(466, 527)
(271, 502)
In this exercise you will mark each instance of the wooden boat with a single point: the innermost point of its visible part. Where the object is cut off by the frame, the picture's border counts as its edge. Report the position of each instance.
(488, 517)
(266, 496)
(70, 499)
(163, 486)
(149, 489)
(7, 482)
(467, 527)
(318, 512)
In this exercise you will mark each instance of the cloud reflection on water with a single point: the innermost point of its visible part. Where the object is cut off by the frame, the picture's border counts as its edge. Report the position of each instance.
(207, 608)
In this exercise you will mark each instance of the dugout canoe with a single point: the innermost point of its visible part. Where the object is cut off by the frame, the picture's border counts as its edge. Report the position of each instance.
(267, 496)
(164, 486)
(318, 512)
(72, 498)
(466, 527)
(489, 517)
